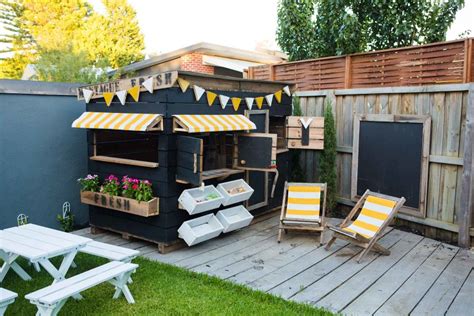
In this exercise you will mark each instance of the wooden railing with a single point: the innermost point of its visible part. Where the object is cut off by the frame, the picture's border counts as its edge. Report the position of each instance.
(437, 63)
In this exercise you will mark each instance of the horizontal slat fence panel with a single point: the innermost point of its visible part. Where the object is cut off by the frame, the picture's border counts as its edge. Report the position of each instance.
(438, 63)
(448, 115)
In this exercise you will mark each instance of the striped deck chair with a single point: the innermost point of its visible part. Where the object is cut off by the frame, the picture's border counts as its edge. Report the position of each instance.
(301, 208)
(377, 212)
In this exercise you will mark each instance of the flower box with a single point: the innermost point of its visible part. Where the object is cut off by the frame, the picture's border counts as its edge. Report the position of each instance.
(200, 229)
(122, 204)
(234, 218)
(230, 198)
(194, 200)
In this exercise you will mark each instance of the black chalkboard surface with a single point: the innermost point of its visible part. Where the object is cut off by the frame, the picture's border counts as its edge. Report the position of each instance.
(390, 159)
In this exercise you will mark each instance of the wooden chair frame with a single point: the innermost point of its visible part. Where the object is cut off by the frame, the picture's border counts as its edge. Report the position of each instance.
(359, 240)
(290, 224)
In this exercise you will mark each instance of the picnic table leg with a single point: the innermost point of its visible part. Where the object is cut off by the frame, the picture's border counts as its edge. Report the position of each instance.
(120, 284)
(9, 262)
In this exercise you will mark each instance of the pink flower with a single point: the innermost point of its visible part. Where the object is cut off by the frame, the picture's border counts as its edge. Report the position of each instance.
(135, 187)
(125, 187)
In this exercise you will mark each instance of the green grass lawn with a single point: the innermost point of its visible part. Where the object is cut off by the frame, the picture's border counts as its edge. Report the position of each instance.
(158, 289)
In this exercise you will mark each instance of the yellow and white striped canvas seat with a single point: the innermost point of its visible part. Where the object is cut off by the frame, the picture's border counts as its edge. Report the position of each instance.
(303, 203)
(373, 215)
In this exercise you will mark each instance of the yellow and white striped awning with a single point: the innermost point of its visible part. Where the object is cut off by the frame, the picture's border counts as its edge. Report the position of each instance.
(212, 123)
(119, 121)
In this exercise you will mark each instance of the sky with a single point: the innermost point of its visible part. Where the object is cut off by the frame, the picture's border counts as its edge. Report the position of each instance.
(246, 24)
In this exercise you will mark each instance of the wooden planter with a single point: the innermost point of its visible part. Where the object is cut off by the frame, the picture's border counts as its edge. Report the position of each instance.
(122, 204)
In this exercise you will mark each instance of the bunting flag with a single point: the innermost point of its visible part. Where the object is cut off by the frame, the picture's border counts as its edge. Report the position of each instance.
(108, 96)
(183, 84)
(148, 84)
(211, 96)
(87, 94)
(278, 96)
(286, 89)
(236, 103)
(259, 101)
(122, 96)
(198, 92)
(223, 99)
(134, 92)
(249, 102)
(269, 98)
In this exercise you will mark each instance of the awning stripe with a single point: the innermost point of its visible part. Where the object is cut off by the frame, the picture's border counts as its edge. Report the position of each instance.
(117, 121)
(214, 123)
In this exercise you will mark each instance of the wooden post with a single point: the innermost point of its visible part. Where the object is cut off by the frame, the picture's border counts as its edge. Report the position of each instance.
(272, 72)
(467, 60)
(348, 73)
(467, 181)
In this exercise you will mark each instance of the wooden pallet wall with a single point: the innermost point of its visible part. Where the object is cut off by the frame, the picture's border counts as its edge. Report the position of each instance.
(437, 63)
(448, 107)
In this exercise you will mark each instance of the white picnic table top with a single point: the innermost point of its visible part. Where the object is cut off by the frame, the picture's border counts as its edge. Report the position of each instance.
(38, 244)
(35, 242)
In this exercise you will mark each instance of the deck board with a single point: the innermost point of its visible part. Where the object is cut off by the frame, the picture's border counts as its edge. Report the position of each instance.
(421, 276)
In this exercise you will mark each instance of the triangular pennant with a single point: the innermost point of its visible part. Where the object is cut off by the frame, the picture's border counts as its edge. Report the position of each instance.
(148, 84)
(183, 84)
(134, 92)
(198, 92)
(108, 96)
(87, 94)
(249, 102)
(259, 101)
(122, 96)
(278, 96)
(223, 100)
(211, 96)
(306, 122)
(286, 89)
(236, 103)
(269, 98)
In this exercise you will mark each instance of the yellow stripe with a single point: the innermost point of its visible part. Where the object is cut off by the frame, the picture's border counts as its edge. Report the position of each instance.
(380, 201)
(353, 231)
(188, 122)
(229, 122)
(210, 122)
(145, 119)
(365, 225)
(295, 188)
(202, 123)
(120, 121)
(303, 201)
(241, 121)
(88, 115)
(133, 121)
(299, 212)
(96, 122)
(374, 214)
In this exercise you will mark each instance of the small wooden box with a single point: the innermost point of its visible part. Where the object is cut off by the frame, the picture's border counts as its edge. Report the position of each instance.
(122, 204)
(189, 199)
(234, 198)
(200, 229)
(234, 218)
(294, 132)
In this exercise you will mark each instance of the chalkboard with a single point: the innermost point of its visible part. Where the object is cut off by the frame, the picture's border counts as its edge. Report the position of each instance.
(390, 159)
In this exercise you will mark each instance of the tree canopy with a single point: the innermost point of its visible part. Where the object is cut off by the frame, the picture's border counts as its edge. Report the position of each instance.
(50, 32)
(317, 28)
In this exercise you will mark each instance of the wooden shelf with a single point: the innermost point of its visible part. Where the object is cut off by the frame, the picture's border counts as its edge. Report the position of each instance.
(219, 173)
(131, 162)
(282, 150)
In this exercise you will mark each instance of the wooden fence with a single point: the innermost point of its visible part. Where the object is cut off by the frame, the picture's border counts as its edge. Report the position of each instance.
(451, 171)
(437, 63)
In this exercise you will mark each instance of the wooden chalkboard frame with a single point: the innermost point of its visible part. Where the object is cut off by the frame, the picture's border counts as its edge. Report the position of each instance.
(425, 154)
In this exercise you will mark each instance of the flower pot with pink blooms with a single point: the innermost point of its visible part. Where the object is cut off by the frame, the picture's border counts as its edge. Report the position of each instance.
(129, 195)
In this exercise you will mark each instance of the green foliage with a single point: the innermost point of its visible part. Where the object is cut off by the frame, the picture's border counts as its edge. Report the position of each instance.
(67, 223)
(89, 183)
(71, 36)
(297, 174)
(67, 66)
(295, 32)
(327, 160)
(317, 28)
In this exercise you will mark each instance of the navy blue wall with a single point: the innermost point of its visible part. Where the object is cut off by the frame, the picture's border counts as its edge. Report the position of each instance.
(41, 156)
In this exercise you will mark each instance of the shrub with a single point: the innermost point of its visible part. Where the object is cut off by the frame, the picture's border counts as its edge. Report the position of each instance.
(327, 161)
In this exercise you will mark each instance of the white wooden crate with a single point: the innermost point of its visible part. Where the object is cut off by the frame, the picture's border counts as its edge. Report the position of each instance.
(234, 218)
(189, 199)
(234, 198)
(200, 229)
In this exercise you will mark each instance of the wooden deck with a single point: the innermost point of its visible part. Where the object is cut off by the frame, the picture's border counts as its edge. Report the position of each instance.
(421, 276)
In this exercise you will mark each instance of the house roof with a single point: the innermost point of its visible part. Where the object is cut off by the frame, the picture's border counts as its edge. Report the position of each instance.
(207, 49)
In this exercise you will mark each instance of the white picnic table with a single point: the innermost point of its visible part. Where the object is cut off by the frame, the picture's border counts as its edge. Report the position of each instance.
(38, 244)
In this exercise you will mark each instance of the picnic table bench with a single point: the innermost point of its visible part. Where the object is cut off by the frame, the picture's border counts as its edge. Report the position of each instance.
(6, 298)
(111, 252)
(51, 299)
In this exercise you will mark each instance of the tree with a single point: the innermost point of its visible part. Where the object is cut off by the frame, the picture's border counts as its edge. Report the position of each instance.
(68, 28)
(327, 160)
(295, 31)
(349, 26)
